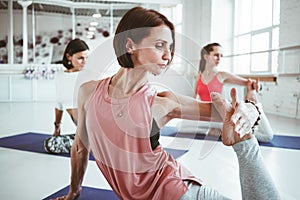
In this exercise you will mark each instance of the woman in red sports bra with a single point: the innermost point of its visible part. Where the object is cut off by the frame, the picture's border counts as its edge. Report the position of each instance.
(209, 78)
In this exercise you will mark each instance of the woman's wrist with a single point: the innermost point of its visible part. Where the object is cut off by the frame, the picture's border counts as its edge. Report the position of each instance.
(56, 124)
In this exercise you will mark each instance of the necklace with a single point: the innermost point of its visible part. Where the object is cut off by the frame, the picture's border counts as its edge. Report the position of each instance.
(120, 107)
(120, 114)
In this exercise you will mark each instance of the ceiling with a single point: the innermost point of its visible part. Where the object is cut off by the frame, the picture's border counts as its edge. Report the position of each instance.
(81, 7)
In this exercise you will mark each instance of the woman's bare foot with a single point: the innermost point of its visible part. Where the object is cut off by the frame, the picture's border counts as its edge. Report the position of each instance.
(229, 136)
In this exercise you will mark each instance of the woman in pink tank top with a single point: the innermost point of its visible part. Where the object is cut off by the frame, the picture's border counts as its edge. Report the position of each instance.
(119, 120)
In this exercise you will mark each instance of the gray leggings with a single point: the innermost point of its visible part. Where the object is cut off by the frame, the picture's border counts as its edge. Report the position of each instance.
(256, 182)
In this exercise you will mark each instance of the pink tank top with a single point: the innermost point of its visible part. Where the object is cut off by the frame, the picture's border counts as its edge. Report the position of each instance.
(119, 137)
(204, 90)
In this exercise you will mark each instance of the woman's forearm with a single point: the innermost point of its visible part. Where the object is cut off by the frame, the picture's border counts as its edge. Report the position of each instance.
(79, 161)
(193, 109)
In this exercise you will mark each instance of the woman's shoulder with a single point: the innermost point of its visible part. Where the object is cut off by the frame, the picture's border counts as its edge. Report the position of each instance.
(90, 86)
(226, 75)
(220, 73)
(86, 89)
(222, 76)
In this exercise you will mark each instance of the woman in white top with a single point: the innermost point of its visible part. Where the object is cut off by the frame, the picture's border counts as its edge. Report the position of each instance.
(74, 59)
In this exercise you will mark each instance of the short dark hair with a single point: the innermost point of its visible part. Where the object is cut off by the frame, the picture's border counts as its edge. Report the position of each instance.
(74, 46)
(204, 51)
(136, 24)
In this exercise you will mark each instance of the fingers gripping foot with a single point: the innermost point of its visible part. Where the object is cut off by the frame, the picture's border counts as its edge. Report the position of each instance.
(230, 135)
(252, 88)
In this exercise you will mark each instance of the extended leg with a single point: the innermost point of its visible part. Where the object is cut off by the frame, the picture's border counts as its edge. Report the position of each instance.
(256, 182)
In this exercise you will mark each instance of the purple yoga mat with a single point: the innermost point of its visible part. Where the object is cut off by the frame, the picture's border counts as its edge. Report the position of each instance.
(34, 142)
(87, 193)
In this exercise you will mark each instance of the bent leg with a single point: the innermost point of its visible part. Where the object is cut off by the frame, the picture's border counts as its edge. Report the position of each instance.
(263, 131)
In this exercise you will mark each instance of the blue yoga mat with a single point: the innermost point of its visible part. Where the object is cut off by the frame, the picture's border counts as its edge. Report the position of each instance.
(87, 193)
(278, 141)
(34, 142)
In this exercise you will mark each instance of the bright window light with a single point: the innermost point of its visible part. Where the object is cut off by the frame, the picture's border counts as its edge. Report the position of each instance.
(259, 62)
(243, 16)
(242, 44)
(260, 42)
(256, 36)
(261, 14)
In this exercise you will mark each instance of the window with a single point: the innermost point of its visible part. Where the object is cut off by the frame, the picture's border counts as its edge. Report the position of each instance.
(173, 13)
(256, 36)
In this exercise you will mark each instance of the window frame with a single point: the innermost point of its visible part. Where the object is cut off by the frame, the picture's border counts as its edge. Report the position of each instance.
(269, 29)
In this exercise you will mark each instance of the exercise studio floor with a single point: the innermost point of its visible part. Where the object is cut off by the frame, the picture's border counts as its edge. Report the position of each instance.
(29, 175)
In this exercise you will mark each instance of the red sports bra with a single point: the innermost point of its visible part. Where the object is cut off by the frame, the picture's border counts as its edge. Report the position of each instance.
(204, 90)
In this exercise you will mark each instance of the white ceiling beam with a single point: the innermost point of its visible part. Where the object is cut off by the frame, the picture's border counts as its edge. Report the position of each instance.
(129, 3)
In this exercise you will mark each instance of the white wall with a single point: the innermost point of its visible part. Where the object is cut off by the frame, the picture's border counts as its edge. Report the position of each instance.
(289, 23)
(283, 98)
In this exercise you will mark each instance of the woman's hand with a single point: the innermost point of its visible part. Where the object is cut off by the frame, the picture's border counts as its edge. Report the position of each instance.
(244, 117)
(253, 85)
(70, 196)
(238, 118)
(56, 130)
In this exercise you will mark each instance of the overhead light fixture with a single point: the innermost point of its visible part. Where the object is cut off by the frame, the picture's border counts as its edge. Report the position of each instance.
(91, 33)
(92, 28)
(94, 23)
(97, 15)
(90, 36)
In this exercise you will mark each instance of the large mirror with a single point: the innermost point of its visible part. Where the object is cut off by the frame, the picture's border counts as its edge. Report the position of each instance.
(35, 32)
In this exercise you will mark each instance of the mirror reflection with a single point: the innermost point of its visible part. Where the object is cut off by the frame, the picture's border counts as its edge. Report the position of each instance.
(37, 31)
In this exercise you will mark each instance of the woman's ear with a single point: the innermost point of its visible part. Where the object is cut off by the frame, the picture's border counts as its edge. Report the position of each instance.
(68, 56)
(206, 56)
(130, 45)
